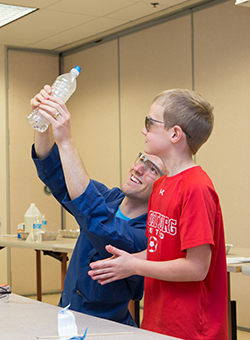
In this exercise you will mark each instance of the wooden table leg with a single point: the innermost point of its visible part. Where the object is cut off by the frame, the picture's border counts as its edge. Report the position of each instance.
(229, 313)
(63, 268)
(38, 276)
(131, 307)
(137, 313)
(134, 308)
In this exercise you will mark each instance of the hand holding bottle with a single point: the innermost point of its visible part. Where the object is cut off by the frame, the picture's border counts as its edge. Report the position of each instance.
(63, 87)
(40, 97)
(57, 114)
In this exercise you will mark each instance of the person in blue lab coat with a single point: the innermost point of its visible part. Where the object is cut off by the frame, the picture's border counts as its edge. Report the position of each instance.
(105, 216)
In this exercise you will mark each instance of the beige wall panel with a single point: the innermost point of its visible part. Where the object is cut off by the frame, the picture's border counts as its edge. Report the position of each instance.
(28, 73)
(222, 75)
(95, 113)
(152, 60)
(4, 175)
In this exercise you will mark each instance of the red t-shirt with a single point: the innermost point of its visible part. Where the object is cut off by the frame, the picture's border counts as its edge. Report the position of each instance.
(184, 212)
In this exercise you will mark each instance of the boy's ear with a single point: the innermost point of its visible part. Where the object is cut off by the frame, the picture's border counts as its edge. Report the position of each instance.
(177, 134)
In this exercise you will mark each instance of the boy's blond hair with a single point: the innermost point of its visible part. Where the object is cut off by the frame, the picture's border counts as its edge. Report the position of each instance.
(191, 112)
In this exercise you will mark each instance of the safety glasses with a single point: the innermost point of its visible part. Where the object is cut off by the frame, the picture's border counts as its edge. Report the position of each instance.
(148, 164)
(150, 122)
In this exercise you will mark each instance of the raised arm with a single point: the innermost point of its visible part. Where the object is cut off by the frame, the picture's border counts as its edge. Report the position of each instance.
(59, 131)
(43, 141)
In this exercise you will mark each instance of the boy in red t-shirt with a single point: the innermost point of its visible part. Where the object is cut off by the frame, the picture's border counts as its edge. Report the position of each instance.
(185, 268)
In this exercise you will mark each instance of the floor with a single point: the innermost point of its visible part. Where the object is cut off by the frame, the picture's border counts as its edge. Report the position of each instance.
(54, 298)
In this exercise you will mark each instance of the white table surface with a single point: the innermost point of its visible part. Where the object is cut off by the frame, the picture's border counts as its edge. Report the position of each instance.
(27, 319)
(238, 252)
(61, 244)
(243, 252)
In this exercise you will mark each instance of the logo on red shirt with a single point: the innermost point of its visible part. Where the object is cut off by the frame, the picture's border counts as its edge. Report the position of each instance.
(152, 244)
(161, 224)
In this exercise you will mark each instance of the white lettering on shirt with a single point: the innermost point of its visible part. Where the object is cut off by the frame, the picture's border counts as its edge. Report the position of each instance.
(161, 224)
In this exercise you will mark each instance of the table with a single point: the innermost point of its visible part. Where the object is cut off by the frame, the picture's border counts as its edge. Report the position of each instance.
(60, 245)
(23, 318)
(244, 266)
(66, 245)
(58, 249)
(235, 268)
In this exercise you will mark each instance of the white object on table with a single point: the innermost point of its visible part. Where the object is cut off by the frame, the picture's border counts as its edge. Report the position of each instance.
(232, 260)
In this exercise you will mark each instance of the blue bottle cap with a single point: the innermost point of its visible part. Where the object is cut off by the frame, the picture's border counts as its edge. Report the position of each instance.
(78, 68)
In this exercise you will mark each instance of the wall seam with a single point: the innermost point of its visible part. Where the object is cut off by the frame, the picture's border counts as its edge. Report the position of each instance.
(192, 55)
(63, 212)
(192, 48)
(9, 277)
(119, 109)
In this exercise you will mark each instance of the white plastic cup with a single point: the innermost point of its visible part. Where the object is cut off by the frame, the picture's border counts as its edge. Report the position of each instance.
(66, 323)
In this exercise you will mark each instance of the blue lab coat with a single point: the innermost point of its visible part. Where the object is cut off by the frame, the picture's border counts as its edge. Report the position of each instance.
(95, 212)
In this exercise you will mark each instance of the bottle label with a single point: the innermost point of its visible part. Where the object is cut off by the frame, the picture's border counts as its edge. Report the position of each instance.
(37, 226)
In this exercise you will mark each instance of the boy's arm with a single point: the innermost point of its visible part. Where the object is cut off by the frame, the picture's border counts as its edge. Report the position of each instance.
(194, 267)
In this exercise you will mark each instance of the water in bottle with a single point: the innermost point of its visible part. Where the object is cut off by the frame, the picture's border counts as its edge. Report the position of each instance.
(37, 228)
(63, 87)
(44, 223)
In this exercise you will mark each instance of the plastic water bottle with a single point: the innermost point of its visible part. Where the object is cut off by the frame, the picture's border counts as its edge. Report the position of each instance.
(29, 217)
(37, 228)
(44, 223)
(63, 87)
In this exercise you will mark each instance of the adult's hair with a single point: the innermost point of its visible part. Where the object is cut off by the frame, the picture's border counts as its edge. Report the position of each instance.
(191, 112)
